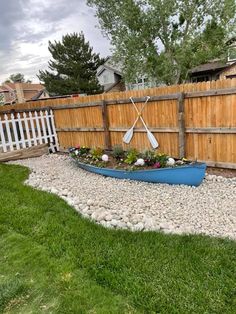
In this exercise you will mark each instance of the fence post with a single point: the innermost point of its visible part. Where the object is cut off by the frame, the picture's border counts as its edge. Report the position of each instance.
(107, 138)
(181, 122)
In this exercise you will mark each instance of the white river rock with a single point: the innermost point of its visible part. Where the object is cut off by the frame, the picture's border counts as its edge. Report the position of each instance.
(208, 209)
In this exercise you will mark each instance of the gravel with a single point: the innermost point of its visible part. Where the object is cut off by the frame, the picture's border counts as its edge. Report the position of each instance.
(208, 209)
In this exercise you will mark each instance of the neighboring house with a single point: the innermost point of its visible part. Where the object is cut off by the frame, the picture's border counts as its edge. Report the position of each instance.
(110, 78)
(11, 93)
(216, 69)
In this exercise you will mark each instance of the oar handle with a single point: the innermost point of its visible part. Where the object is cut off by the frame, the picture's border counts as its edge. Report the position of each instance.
(144, 124)
(135, 122)
(139, 112)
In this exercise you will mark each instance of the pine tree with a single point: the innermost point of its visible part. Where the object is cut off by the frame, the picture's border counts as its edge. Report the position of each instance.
(73, 67)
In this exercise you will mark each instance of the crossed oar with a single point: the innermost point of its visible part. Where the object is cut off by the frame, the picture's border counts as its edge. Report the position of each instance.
(129, 134)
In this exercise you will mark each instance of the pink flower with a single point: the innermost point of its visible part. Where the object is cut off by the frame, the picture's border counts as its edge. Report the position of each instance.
(78, 147)
(157, 165)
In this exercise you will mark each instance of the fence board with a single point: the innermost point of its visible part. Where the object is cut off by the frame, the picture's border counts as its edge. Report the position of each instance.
(22, 138)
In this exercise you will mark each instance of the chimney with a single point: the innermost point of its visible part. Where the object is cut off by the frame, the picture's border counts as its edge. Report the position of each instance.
(19, 93)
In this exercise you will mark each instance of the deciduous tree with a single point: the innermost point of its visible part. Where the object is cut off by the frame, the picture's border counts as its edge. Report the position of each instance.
(16, 78)
(165, 38)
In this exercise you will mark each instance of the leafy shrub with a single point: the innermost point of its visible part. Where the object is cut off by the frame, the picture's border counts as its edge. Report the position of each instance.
(96, 153)
(131, 156)
(149, 157)
(83, 150)
(118, 152)
(162, 159)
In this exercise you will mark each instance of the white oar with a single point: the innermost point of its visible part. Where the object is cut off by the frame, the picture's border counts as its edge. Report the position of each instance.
(151, 137)
(129, 134)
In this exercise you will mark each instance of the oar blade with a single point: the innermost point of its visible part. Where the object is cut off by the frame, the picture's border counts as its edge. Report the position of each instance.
(128, 136)
(152, 139)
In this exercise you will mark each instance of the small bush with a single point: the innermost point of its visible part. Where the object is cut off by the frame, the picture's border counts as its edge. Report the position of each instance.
(131, 156)
(118, 152)
(162, 159)
(83, 150)
(96, 153)
(149, 157)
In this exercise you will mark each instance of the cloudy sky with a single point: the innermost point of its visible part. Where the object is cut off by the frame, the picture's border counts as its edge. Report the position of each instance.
(26, 26)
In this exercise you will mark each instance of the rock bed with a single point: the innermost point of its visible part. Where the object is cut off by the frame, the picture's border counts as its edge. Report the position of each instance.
(208, 209)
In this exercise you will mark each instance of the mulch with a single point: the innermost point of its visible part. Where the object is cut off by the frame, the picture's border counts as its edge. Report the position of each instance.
(227, 173)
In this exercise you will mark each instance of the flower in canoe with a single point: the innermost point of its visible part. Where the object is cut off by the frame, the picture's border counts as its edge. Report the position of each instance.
(157, 165)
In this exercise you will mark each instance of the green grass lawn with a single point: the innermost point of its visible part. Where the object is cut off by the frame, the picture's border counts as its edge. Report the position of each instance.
(54, 261)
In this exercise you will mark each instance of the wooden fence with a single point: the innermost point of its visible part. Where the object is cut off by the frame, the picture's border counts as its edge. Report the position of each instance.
(197, 121)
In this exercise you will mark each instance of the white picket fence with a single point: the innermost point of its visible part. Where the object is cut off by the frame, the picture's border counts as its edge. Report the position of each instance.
(27, 129)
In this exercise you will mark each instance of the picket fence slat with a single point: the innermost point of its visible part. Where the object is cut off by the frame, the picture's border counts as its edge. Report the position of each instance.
(32, 128)
(22, 140)
(54, 130)
(10, 144)
(28, 129)
(16, 141)
(3, 141)
(43, 127)
(38, 128)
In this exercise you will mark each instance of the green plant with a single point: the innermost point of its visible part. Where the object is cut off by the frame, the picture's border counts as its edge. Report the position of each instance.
(82, 150)
(71, 52)
(55, 261)
(161, 159)
(131, 156)
(118, 152)
(96, 153)
(149, 157)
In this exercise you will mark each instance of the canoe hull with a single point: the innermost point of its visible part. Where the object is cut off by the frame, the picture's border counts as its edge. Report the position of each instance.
(191, 174)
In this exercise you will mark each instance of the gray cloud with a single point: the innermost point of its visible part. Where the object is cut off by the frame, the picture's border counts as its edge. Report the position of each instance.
(26, 26)
(34, 37)
(11, 13)
(54, 12)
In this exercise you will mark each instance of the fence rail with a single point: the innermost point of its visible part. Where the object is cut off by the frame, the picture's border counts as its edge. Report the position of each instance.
(27, 130)
(197, 121)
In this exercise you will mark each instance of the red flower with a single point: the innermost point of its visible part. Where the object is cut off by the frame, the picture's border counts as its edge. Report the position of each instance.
(157, 165)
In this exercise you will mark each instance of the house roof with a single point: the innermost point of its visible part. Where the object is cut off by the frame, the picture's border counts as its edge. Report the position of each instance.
(37, 96)
(25, 86)
(110, 65)
(31, 91)
(104, 67)
(210, 66)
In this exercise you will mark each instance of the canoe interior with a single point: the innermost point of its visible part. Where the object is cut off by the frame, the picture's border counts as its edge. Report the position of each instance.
(191, 174)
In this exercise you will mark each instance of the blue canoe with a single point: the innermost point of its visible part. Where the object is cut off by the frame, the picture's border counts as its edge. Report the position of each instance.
(191, 174)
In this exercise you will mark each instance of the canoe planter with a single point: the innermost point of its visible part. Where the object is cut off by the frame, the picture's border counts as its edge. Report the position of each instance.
(190, 174)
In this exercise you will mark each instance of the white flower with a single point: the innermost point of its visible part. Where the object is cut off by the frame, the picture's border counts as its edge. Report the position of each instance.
(170, 162)
(105, 157)
(140, 162)
(76, 152)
